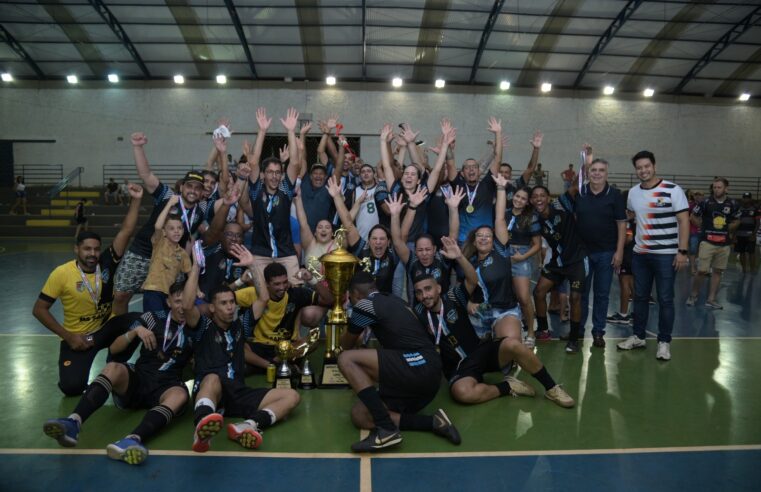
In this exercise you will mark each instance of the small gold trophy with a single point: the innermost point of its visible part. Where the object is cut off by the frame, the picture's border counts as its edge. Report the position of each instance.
(283, 378)
(338, 266)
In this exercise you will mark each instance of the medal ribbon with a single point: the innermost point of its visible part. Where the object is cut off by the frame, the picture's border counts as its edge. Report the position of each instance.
(471, 194)
(270, 226)
(188, 223)
(177, 336)
(94, 294)
(436, 332)
(583, 156)
(342, 140)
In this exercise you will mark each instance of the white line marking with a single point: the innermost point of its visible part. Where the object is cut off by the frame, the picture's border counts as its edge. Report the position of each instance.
(466, 454)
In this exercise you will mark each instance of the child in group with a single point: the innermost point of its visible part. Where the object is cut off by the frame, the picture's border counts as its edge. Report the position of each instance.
(168, 260)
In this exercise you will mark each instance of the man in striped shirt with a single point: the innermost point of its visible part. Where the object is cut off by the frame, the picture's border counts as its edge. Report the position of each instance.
(660, 250)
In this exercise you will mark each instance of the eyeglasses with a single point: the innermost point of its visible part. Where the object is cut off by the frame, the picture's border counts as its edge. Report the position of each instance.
(274, 172)
(484, 236)
(233, 235)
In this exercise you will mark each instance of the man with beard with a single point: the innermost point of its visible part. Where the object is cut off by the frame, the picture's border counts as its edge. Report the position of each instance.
(85, 286)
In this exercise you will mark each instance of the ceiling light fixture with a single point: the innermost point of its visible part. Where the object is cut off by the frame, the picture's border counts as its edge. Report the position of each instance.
(7, 77)
(608, 90)
(546, 87)
(72, 79)
(113, 78)
(397, 82)
(179, 79)
(330, 80)
(221, 79)
(648, 92)
(440, 83)
(504, 85)
(745, 96)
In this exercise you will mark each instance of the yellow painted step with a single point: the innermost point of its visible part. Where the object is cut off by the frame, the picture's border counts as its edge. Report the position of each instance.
(58, 212)
(60, 202)
(80, 194)
(48, 222)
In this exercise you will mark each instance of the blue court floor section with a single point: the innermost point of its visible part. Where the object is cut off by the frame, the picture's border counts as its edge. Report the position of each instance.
(714, 471)
(77, 473)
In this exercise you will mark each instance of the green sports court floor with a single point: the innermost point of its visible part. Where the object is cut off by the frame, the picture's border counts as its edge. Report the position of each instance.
(639, 424)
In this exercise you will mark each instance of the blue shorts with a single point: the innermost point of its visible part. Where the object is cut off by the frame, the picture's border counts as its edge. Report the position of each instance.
(490, 316)
(694, 244)
(521, 268)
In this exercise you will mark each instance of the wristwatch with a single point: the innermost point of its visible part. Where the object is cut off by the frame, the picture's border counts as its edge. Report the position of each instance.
(682, 251)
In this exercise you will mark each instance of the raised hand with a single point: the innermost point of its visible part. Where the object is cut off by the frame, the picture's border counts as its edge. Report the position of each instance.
(408, 134)
(395, 204)
(305, 128)
(262, 120)
(454, 198)
(363, 197)
(449, 137)
(446, 125)
(221, 144)
(224, 121)
(284, 153)
(449, 248)
(500, 180)
(174, 200)
(332, 121)
(290, 120)
(138, 139)
(233, 194)
(334, 188)
(495, 125)
(418, 196)
(244, 170)
(400, 141)
(536, 140)
(386, 133)
(248, 149)
(135, 191)
(245, 258)
(323, 127)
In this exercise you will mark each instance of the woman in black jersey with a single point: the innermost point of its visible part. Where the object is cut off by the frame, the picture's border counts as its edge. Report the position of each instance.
(525, 242)
(488, 252)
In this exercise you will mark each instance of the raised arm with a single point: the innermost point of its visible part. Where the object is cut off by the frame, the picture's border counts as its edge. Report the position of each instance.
(322, 155)
(334, 189)
(453, 204)
(289, 123)
(130, 220)
(451, 251)
(385, 137)
(150, 180)
(415, 200)
(254, 154)
(536, 143)
(332, 123)
(220, 145)
(495, 126)
(306, 234)
(447, 140)
(192, 316)
(410, 137)
(395, 205)
(357, 205)
(446, 127)
(221, 208)
(500, 226)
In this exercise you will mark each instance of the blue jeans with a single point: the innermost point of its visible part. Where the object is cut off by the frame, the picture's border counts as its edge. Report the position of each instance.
(646, 268)
(601, 270)
(154, 300)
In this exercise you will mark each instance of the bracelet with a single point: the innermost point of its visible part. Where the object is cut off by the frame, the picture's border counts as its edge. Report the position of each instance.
(410, 207)
(500, 188)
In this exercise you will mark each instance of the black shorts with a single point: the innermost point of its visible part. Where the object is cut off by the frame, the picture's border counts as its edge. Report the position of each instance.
(626, 263)
(238, 400)
(408, 379)
(485, 358)
(575, 273)
(263, 350)
(144, 391)
(745, 245)
(81, 220)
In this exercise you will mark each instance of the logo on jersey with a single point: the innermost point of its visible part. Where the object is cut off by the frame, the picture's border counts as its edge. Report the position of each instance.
(452, 316)
(661, 202)
(290, 307)
(105, 275)
(488, 261)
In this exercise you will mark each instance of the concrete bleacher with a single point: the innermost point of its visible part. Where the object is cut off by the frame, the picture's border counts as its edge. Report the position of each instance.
(55, 217)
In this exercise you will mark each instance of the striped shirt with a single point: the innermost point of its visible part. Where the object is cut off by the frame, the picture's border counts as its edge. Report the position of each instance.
(656, 209)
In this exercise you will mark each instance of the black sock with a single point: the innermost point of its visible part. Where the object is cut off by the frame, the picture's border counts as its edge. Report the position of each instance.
(573, 335)
(200, 412)
(94, 398)
(503, 387)
(541, 323)
(544, 377)
(415, 422)
(263, 418)
(372, 400)
(156, 418)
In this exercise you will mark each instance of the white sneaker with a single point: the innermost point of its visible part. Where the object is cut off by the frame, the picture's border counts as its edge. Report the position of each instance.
(664, 351)
(529, 342)
(633, 342)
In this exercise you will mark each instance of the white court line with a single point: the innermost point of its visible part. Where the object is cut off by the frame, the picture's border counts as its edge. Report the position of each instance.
(465, 454)
(365, 467)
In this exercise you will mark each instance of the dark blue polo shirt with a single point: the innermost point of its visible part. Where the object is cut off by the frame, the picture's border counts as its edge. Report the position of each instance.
(597, 216)
(318, 204)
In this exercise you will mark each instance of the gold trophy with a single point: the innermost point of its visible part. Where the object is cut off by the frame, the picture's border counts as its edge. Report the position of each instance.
(283, 378)
(338, 266)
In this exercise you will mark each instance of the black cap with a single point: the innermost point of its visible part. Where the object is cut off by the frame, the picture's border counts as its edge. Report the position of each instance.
(193, 176)
(318, 165)
(747, 195)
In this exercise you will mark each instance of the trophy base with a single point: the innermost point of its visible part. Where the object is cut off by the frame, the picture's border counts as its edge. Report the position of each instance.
(306, 382)
(331, 376)
(283, 383)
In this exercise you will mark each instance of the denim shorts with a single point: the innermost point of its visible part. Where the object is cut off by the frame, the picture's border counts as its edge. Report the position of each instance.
(490, 316)
(694, 243)
(521, 268)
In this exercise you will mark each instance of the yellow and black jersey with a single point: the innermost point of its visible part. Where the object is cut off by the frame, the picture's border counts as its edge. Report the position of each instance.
(80, 314)
(276, 323)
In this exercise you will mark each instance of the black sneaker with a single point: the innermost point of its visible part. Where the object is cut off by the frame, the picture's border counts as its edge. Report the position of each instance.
(572, 347)
(378, 439)
(598, 341)
(444, 427)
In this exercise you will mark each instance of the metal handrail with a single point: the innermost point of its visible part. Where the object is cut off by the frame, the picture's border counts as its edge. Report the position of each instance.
(167, 173)
(737, 184)
(39, 174)
(63, 183)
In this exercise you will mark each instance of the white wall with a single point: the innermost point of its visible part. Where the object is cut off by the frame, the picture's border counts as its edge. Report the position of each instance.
(686, 138)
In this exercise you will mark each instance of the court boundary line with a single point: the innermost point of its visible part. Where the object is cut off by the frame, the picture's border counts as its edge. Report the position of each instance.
(369, 457)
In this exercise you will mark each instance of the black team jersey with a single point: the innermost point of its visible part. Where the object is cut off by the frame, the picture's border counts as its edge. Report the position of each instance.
(382, 269)
(495, 279)
(451, 326)
(559, 230)
(716, 217)
(141, 244)
(522, 228)
(173, 350)
(219, 270)
(439, 269)
(218, 351)
(394, 324)
(272, 219)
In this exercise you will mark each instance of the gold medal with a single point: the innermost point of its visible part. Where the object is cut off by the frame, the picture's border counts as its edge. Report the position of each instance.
(470, 209)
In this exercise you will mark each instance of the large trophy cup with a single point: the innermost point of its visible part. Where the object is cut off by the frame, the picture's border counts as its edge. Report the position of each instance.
(338, 267)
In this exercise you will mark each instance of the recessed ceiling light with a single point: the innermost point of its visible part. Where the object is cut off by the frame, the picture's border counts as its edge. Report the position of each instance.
(743, 97)
(72, 79)
(221, 79)
(440, 83)
(648, 92)
(608, 90)
(330, 80)
(546, 87)
(179, 79)
(113, 78)
(7, 77)
(504, 85)
(397, 82)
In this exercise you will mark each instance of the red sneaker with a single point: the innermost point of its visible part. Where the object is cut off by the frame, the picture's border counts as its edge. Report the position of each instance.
(207, 428)
(543, 334)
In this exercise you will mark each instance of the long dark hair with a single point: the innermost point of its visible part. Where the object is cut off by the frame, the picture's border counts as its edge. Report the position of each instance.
(526, 217)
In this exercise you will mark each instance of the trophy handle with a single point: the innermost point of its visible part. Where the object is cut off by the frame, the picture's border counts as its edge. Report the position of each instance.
(365, 264)
(307, 347)
(314, 266)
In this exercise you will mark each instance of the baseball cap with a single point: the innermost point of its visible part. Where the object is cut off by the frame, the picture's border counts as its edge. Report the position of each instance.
(317, 165)
(193, 176)
(747, 195)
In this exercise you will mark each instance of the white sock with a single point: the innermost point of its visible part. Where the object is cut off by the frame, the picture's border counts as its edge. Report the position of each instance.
(272, 415)
(75, 416)
(207, 402)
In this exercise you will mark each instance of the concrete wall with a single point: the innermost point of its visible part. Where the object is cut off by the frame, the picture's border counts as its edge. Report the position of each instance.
(86, 123)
